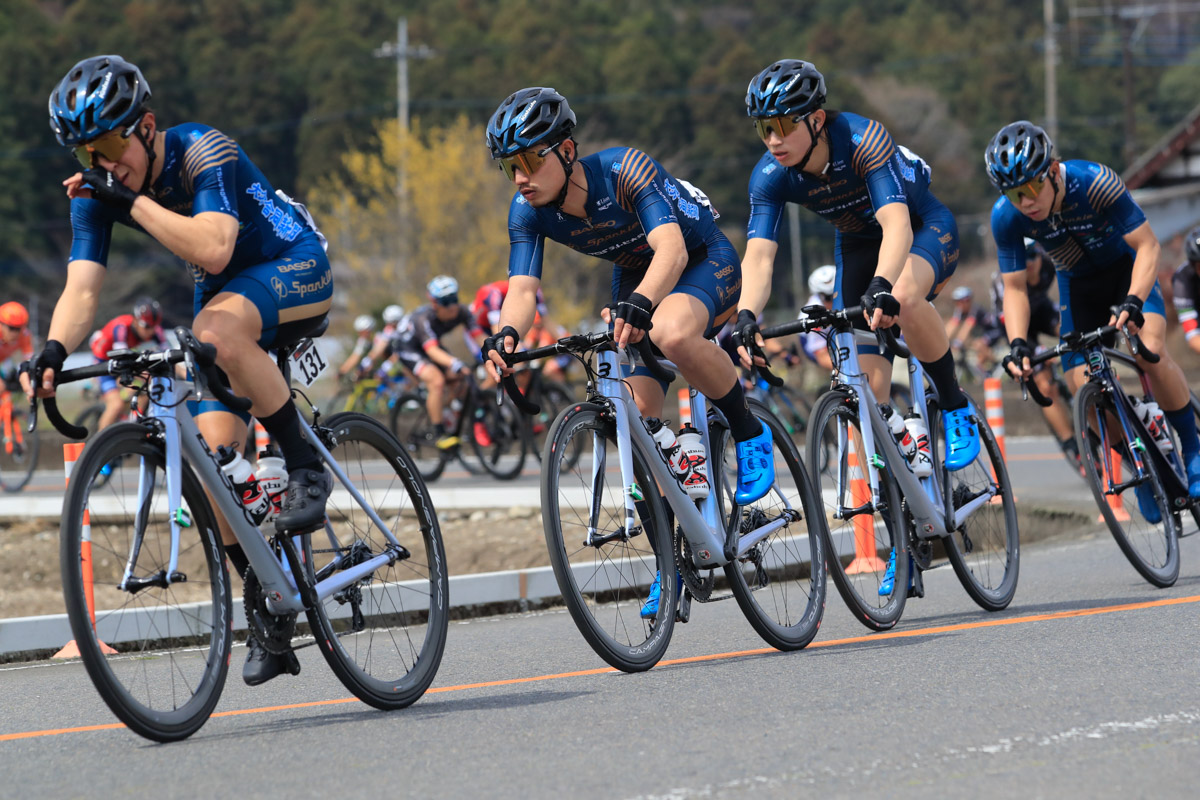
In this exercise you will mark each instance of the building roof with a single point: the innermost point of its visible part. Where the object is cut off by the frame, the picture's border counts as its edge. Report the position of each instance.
(1150, 169)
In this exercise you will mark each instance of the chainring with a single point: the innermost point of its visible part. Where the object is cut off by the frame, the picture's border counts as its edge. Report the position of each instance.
(921, 550)
(701, 586)
(273, 632)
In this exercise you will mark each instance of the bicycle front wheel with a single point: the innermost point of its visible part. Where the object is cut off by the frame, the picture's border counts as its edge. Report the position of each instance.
(604, 569)
(779, 581)
(383, 635)
(497, 438)
(862, 535)
(170, 630)
(19, 454)
(1136, 509)
(410, 423)
(985, 549)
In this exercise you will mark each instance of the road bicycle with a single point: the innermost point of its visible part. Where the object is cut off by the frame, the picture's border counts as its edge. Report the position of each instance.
(488, 430)
(610, 532)
(878, 511)
(1120, 457)
(19, 454)
(375, 395)
(371, 580)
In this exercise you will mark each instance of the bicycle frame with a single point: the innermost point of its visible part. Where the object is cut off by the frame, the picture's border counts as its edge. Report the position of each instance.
(925, 496)
(703, 528)
(183, 440)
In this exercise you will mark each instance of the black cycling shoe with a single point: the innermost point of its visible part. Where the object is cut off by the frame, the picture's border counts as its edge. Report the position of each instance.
(304, 501)
(261, 666)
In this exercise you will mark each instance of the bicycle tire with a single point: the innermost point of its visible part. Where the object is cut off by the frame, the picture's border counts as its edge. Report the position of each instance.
(859, 577)
(161, 631)
(793, 410)
(985, 551)
(554, 398)
(410, 424)
(504, 456)
(780, 583)
(403, 608)
(603, 586)
(1153, 551)
(17, 466)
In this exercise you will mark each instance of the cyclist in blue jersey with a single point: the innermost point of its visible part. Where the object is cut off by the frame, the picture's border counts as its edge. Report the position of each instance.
(673, 268)
(1105, 255)
(895, 243)
(256, 257)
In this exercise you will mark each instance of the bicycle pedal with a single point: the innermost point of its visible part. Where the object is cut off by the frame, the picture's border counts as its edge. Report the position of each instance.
(916, 586)
(684, 612)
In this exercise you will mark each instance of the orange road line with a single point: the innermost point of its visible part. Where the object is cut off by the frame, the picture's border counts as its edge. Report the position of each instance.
(874, 637)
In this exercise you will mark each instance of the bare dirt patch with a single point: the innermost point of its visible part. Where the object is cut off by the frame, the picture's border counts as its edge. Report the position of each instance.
(476, 541)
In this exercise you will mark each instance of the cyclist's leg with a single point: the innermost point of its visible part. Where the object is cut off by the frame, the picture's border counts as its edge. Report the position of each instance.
(114, 404)
(434, 380)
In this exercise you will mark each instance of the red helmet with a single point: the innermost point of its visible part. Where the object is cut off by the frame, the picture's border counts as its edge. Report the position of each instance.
(14, 315)
(148, 312)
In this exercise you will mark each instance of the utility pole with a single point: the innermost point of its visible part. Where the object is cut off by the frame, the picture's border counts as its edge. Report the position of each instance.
(1051, 55)
(400, 51)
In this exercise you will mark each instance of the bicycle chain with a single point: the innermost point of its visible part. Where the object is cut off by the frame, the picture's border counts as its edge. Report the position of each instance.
(273, 632)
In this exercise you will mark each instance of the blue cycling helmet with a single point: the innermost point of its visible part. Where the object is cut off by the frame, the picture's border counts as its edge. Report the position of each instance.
(98, 95)
(1018, 153)
(786, 87)
(537, 115)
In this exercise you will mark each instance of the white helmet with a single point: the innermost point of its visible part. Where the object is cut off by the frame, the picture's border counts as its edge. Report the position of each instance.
(393, 314)
(962, 293)
(444, 289)
(364, 323)
(823, 280)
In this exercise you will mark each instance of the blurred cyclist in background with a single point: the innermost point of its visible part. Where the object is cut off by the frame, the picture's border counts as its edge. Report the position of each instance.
(1185, 285)
(16, 342)
(125, 332)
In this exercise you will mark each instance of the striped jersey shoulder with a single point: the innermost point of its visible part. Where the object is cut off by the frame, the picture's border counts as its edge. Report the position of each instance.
(634, 171)
(873, 146)
(207, 149)
(1104, 186)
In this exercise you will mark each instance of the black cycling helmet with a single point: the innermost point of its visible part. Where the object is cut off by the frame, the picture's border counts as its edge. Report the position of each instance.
(1018, 153)
(1191, 246)
(533, 116)
(786, 87)
(98, 95)
(147, 311)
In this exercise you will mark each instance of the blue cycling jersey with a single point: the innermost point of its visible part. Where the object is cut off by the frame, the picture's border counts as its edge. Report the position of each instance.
(629, 195)
(1086, 237)
(866, 172)
(205, 170)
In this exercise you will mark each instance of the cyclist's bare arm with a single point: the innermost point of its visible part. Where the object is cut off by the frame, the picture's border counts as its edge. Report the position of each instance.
(894, 219)
(757, 266)
(1016, 311)
(1145, 265)
(668, 263)
(73, 314)
(206, 240)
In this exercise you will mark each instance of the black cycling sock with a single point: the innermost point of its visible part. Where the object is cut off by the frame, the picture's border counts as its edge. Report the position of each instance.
(284, 427)
(742, 424)
(941, 375)
(237, 557)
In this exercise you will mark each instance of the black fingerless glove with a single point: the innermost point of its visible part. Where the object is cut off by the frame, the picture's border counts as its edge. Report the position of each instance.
(879, 295)
(108, 190)
(1133, 304)
(495, 343)
(746, 331)
(635, 310)
(52, 357)
(1019, 350)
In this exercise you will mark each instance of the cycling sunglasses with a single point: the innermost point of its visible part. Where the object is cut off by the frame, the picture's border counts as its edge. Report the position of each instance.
(528, 161)
(781, 125)
(1031, 190)
(111, 145)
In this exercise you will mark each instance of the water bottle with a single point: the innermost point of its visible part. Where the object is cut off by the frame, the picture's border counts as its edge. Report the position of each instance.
(1151, 415)
(668, 444)
(245, 487)
(694, 460)
(922, 459)
(895, 423)
(272, 478)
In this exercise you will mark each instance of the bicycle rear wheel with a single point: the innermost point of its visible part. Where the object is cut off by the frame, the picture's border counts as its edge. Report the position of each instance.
(19, 454)
(858, 544)
(383, 635)
(985, 549)
(409, 421)
(780, 581)
(172, 639)
(602, 569)
(1151, 547)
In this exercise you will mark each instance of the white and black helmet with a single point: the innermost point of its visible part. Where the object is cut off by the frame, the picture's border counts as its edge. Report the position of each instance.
(393, 314)
(364, 323)
(823, 280)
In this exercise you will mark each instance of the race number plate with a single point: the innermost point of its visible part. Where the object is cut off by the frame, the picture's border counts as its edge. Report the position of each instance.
(307, 363)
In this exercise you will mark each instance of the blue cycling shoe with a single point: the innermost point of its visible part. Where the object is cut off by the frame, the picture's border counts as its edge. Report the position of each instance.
(889, 577)
(650, 607)
(1146, 503)
(1192, 465)
(756, 468)
(962, 437)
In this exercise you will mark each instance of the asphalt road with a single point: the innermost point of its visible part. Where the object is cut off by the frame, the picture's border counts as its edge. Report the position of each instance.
(1086, 686)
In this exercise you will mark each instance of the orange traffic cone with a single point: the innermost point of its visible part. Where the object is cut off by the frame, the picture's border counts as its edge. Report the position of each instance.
(1115, 502)
(865, 557)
